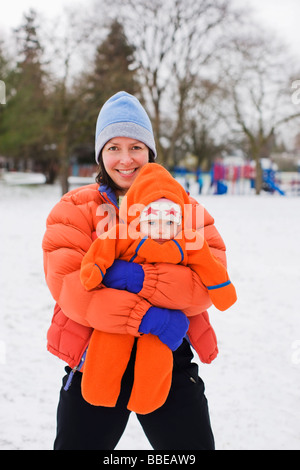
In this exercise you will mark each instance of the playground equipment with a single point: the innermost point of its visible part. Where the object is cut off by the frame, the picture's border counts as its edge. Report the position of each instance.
(236, 176)
(232, 176)
(270, 180)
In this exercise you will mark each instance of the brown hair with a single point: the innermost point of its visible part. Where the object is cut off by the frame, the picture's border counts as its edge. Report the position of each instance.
(103, 178)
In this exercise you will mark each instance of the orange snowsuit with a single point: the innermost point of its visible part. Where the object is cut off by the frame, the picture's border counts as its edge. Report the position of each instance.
(153, 367)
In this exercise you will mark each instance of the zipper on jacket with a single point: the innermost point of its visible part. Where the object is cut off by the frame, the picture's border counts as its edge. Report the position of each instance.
(75, 369)
(108, 199)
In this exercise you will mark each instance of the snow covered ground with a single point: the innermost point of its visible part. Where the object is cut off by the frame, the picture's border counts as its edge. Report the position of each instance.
(253, 387)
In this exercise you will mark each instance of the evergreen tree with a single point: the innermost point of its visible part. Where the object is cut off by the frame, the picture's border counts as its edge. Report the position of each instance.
(114, 70)
(25, 117)
(114, 66)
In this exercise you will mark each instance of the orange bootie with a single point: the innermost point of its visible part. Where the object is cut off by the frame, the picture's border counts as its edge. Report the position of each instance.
(152, 375)
(107, 357)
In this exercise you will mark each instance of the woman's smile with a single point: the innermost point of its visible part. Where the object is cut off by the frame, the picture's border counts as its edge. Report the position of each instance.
(127, 172)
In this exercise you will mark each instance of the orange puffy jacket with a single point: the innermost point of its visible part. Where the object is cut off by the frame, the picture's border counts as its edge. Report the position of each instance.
(126, 242)
(101, 382)
(71, 227)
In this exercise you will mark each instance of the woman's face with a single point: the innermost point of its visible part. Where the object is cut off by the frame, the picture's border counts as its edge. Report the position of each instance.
(123, 158)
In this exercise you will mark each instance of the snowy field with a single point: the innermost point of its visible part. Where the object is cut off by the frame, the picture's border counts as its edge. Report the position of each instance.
(253, 387)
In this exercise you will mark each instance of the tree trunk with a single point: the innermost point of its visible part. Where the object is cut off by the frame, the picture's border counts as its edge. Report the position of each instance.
(255, 153)
(64, 167)
(64, 175)
(259, 177)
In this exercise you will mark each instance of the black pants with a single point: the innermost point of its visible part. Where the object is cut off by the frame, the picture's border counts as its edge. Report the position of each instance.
(182, 423)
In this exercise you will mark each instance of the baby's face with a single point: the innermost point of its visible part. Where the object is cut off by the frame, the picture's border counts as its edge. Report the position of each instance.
(159, 230)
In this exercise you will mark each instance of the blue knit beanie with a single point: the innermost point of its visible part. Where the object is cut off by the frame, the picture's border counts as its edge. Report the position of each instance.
(123, 116)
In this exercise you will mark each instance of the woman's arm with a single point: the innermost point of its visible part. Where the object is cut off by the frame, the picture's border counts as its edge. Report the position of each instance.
(176, 287)
(66, 240)
(69, 236)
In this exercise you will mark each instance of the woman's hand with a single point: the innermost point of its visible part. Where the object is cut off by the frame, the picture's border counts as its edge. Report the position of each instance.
(124, 275)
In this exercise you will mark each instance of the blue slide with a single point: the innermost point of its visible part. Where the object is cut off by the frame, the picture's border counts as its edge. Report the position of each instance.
(272, 185)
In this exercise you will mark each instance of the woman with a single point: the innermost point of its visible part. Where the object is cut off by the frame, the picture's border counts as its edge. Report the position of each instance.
(124, 144)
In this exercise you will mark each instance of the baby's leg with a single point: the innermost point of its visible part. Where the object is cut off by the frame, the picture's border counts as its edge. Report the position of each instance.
(106, 361)
(152, 375)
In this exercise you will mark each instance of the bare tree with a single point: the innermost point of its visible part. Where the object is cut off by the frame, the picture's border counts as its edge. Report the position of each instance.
(70, 43)
(256, 79)
(207, 135)
(174, 39)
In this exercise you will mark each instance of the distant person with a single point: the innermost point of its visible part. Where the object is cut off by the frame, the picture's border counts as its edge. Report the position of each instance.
(200, 181)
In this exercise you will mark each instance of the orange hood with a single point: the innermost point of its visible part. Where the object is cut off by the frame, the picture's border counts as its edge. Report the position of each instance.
(153, 182)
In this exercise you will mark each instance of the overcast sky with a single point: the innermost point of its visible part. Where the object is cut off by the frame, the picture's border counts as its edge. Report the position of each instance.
(280, 15)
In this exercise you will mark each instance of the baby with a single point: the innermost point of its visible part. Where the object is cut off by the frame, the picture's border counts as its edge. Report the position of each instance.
(161, 220)
(160, 237)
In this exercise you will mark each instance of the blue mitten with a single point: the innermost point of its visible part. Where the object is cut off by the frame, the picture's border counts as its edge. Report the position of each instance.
(169, 325)
(124, 275)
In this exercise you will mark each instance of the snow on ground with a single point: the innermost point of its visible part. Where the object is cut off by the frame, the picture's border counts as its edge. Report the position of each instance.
(253, 387)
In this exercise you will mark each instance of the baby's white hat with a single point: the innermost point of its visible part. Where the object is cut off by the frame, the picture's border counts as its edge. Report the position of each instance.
(163, 209)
